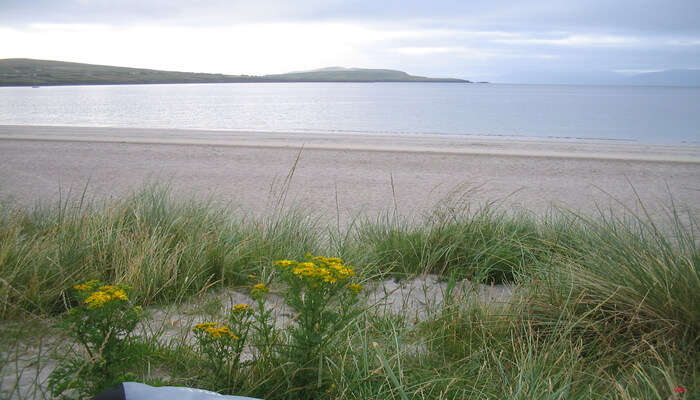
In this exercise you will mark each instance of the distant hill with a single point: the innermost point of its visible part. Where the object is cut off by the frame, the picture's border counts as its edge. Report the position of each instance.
(675, 77)
(671, 77)
(29, 72)
(340, 74)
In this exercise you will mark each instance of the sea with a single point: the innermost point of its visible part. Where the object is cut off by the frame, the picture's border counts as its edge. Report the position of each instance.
(635, 114)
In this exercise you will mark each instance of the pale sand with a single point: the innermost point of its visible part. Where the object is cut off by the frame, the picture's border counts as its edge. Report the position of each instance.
(416, 299)
(356, 170)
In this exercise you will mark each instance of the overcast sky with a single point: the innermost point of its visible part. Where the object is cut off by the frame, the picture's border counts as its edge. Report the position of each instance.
(557, 41)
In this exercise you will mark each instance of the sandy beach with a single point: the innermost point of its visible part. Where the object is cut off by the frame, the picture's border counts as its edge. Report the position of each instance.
(351, 173)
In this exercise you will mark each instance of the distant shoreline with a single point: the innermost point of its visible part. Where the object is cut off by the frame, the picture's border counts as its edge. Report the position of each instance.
(220, 82)
(19, 72)
(375, 142)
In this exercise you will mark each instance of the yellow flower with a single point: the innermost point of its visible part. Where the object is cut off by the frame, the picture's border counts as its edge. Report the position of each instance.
(89, 285)
(240, 307)
(307, 265)
(328, 260)
(119, 294)
(259, 288)
(215, 330)
(205, 325)
(97, 299)
(304, 271)
(319, 269)
(343, 271)
(314, 273)
(103, 294)
(355, 287)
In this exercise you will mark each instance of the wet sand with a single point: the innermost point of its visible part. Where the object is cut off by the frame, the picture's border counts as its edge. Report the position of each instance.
(349, 174)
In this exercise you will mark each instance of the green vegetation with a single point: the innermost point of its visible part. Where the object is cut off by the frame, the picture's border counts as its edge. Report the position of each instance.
(603, 307)
(102, 322)
(28, 72)
(339, 74)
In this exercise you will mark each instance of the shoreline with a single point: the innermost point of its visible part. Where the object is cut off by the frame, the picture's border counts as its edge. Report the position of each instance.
(342, 177)
(362, 142)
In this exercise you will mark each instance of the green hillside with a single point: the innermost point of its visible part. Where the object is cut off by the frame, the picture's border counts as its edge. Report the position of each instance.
(28, 72)
(339, 74)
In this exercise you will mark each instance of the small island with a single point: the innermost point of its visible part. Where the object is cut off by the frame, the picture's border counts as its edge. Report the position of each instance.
(29, 72)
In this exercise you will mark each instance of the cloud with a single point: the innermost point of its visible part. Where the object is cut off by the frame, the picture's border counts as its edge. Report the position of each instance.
(599, 40)
(424, 51)
(506, 15)
(477, 39)
(576, 40)
(241, 49)
(636, 71)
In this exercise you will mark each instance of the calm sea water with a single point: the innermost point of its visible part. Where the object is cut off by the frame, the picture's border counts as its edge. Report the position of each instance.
(668, 115)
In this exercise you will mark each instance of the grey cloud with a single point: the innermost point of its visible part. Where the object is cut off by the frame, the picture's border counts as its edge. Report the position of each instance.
(549, 15)
(676, 16)
(499, 40)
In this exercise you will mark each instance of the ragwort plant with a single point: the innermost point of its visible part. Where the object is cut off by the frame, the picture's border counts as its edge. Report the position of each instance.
(102, 324)
(322, 293)
(265, 338)
(222, 346)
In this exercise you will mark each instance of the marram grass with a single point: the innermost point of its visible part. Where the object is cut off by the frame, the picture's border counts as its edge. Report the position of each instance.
(605, 306)
(164, 250)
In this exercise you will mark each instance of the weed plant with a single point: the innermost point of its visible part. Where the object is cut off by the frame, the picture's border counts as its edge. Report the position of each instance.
(102, 324)
(322, 292)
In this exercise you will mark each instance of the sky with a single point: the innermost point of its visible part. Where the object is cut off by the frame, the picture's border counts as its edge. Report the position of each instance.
(514, 41)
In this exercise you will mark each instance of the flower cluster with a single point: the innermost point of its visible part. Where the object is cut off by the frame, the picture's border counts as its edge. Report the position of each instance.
(102, 322)
(240, 307)
(96, 295)
(89, 285)
(355, 287)
(318, 269)
(215, 330)
(322, 291)
(259, 288)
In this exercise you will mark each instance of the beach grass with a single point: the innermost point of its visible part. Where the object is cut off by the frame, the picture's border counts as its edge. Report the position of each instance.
(164, 250)
(602, 306)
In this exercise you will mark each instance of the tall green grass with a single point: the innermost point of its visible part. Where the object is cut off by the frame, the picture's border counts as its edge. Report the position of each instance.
(486, 245)
(628, 280)
(606, 306)
(164, 249)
